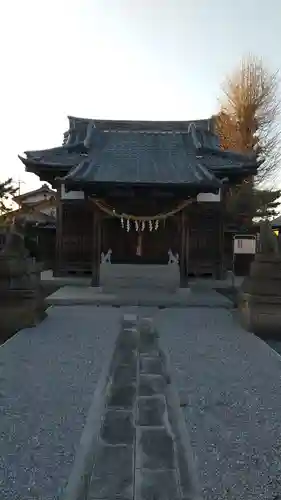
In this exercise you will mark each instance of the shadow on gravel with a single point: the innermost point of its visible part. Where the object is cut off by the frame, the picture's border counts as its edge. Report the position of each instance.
(231, 293)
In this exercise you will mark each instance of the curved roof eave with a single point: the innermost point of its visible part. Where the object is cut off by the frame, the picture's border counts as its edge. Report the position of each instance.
(28, 162)
(203, 188)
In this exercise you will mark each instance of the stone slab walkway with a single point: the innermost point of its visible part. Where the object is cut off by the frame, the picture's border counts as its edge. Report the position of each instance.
(139, 452)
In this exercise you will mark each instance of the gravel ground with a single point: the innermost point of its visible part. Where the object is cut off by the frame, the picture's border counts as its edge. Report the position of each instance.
(47, 380)
(230, 382)
(228, 379)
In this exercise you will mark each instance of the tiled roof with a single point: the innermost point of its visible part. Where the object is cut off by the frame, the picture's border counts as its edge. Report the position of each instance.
(78, 127)
(143, 158)
(142, 139)
(276, 222)
(62, 155)
(218, 161)
(43, 189)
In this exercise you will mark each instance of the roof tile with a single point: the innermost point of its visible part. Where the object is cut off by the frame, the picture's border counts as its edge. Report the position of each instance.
(143, 158)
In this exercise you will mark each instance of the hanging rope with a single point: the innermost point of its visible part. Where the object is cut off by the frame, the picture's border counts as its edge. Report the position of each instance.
(139, 218)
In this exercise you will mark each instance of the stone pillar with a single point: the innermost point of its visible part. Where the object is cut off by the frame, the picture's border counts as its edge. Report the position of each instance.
(96, 248)
(184, 246)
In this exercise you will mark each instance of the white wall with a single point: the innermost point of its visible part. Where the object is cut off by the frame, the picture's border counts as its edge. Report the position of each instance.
(71, 195)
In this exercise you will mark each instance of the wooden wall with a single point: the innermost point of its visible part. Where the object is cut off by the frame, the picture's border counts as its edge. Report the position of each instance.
(74, 237)
(205, 239)
(75, 242)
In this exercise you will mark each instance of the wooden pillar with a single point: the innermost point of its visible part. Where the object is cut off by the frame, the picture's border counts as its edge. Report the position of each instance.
(221, 247)
(218, 246)
(59, 230)
(221, 267)
(96, 247)
(184, 246)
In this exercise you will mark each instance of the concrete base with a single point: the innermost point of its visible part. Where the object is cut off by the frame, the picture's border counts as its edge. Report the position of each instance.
(183, 292)
(123, 276)
(48, 278)
(97, 289)
(115, 276)
(137, 297)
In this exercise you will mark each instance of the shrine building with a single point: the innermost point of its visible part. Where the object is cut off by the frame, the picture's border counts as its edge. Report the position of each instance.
(140, 192)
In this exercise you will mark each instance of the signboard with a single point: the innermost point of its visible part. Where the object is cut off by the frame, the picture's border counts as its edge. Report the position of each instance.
(210, 197)
(71, 195)
(245, 244)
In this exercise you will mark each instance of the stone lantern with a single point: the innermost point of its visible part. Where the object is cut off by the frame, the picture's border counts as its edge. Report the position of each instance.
(21, 299)
(260, 294)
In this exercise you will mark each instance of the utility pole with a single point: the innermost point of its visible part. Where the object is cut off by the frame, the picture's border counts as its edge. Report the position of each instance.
(20, 182)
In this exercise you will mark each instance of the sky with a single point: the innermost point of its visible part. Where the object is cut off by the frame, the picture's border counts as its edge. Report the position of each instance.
(119, 59)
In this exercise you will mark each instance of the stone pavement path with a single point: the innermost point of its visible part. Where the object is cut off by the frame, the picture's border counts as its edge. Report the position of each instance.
(139, 452)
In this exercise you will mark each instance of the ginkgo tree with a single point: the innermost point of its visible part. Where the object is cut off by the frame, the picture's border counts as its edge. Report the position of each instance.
(249, 122)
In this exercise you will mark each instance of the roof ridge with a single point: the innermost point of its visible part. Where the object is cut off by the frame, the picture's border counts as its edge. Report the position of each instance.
(140, 122)
(154, 131)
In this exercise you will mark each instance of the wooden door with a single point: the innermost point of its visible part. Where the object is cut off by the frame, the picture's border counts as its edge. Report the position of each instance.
(204, 242)
(75, 238)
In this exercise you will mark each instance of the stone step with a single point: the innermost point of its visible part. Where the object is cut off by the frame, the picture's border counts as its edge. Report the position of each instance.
(118, 276)
(70, 295)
